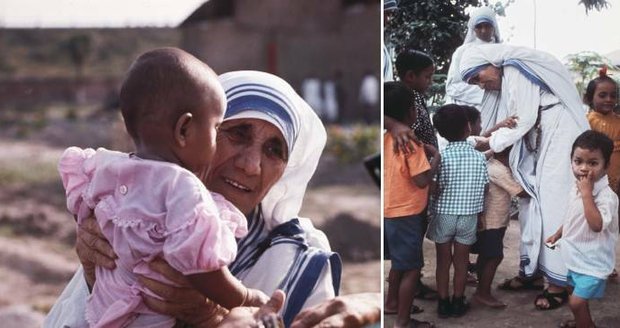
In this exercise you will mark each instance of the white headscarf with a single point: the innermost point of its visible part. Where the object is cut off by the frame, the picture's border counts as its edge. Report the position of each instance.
(482, 15)
(458, 91)
(254, 94)
(539, 67)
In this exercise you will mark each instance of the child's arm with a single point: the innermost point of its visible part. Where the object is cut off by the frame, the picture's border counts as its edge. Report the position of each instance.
(424, 179)
(224, 289)
(591, 212)
(555, 237)
(403, 135)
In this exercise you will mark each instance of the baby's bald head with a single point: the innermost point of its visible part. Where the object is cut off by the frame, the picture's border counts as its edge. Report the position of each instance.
(164, 83)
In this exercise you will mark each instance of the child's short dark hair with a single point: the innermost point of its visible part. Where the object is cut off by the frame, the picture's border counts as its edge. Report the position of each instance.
(412, 60)
(398, 100)
(451, 122)
(593, 140)
(588, 96)
(472, 114)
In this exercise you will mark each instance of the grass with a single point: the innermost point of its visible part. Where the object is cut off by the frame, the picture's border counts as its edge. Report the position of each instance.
(27, 173)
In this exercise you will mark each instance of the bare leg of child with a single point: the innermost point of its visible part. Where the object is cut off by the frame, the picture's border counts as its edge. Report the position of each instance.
(486, 272)
(444, 260)
(461, 261)
(391, 299)
(406, 289)
(581, 311)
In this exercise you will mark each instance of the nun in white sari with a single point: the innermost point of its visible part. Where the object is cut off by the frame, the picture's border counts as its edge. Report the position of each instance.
(281, 250)
(538, 89)
(478, 32)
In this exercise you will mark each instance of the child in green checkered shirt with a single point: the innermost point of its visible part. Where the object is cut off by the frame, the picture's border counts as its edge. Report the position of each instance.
(459, 198)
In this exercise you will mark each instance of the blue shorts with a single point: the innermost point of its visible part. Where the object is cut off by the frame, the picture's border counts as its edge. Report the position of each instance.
(445, 228)
(586, 287)
(404, 236)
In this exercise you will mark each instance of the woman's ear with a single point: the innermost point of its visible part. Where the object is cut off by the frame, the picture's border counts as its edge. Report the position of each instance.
(182, 129)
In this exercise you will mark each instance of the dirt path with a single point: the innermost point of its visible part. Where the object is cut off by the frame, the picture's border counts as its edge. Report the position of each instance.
(520, 311)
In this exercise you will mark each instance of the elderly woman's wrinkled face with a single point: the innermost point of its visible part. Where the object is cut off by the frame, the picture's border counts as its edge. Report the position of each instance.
(489, 78)
(484, 31)
(251, 156)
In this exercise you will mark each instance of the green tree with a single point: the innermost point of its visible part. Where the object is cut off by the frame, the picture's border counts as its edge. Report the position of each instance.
(594, 4)
(586, 65)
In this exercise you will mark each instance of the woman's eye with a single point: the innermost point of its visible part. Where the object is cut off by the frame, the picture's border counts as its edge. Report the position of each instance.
(276, 151)
(236, 134)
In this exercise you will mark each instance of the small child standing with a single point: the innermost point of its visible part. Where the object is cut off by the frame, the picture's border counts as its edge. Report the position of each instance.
(415, 69)
(590, 231)
(459, 199)
(151, 203)
(602, 97)
(490, 239)
(407, 178)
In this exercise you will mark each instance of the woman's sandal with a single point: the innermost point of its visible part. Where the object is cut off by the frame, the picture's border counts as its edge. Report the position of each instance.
(555, 300)
(518, 283)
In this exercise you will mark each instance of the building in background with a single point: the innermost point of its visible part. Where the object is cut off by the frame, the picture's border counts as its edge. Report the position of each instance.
(293, 39)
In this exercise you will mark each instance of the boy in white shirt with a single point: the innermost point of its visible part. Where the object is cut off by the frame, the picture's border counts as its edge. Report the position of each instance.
(589, 233)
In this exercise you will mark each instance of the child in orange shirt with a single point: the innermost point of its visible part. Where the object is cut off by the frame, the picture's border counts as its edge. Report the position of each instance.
(602, 97)
(407, 178)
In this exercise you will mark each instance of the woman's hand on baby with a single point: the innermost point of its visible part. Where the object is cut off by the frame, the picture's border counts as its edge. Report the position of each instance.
(184, 302)
(354, 310)
(93, 249)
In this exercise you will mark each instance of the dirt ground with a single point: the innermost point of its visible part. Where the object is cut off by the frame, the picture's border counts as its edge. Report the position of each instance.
(520, 311)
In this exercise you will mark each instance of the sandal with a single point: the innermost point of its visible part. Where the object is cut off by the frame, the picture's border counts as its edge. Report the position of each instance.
(426, 293)
(555, 299)
(518, 283)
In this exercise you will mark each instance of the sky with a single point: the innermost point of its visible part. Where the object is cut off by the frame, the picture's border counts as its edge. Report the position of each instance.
(562, 27)
(95, 13)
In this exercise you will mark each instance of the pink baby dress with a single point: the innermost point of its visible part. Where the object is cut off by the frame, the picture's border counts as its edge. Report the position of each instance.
(146, 209)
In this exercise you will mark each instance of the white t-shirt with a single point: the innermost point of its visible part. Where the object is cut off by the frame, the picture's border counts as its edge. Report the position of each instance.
(583, 250)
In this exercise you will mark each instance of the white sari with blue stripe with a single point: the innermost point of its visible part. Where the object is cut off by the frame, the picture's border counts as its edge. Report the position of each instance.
(538, 89)
(290, 257)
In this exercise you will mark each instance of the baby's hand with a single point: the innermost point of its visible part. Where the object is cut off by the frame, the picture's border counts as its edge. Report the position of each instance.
(255, 298)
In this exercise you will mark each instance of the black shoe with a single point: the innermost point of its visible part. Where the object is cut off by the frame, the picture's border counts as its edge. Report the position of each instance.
(444, 308)
(459, 306)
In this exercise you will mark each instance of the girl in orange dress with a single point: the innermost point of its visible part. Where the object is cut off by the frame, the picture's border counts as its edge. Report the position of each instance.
(602, 97)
